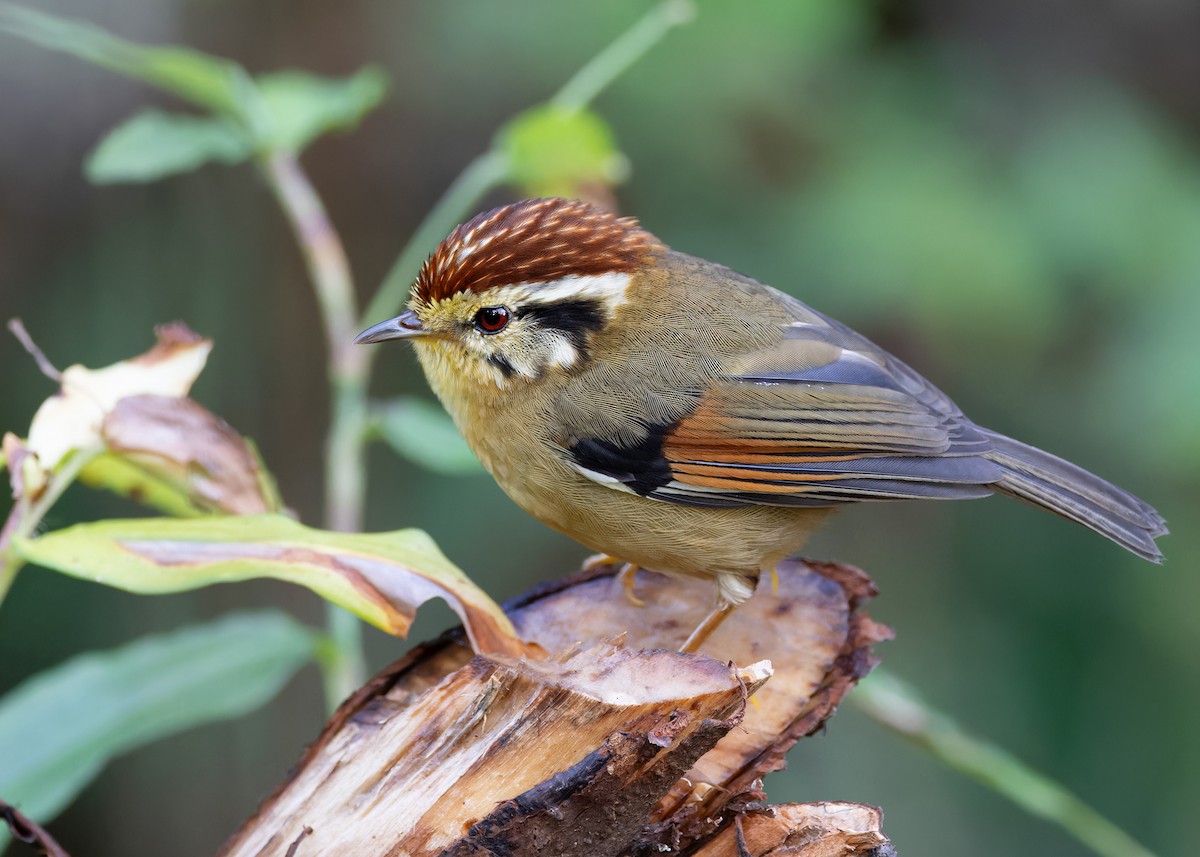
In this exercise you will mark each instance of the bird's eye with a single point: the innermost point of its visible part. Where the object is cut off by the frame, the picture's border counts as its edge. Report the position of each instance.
(492, 319)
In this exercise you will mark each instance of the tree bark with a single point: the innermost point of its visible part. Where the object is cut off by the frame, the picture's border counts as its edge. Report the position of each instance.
(612, 743)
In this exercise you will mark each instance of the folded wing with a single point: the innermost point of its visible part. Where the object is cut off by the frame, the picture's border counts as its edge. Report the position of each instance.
(821, 418)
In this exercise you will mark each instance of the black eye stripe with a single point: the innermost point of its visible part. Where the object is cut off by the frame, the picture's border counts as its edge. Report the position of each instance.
(574, 318)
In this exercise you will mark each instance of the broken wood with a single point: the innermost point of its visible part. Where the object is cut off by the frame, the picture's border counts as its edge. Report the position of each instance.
(613, 744)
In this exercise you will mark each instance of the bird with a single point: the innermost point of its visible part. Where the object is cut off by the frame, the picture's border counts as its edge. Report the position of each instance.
(679, 417)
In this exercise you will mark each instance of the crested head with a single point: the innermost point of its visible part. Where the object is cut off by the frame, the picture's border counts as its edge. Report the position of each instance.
(520, 293)
(530, 242)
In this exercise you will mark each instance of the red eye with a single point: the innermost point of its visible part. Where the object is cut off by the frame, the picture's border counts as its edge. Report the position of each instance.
(492, 319)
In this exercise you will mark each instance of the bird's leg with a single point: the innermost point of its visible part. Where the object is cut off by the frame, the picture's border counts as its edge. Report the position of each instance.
(704, 630)
(732, 590)
(599, 560)
(627, 577)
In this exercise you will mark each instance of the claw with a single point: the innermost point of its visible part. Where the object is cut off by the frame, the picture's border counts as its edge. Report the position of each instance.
(628, 579)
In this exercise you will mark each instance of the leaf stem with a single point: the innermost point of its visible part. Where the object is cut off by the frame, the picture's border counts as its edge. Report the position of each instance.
(25, 516)
(893, 703)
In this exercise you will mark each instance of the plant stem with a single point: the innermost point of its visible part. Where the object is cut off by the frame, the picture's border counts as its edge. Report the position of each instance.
(323, 254)
(345, 458)
(490, 169)
(483, 174)
(893, 703)
(26, 516)
(587, 83)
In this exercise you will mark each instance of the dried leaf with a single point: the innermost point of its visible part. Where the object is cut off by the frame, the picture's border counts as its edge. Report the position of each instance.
(190, 448)
(71, 419)
(24, 474)
(380, 577)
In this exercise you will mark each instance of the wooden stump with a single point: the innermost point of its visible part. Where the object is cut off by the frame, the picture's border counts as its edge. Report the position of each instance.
(606, 742)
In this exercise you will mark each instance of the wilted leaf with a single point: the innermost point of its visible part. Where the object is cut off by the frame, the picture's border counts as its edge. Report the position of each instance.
(202, 79)
(303, 106)
(153, 144)
(191, 448)
(424, 434)
(71, 419)
(59, 728)
(555, 151)
(380, 577)
(25, 475)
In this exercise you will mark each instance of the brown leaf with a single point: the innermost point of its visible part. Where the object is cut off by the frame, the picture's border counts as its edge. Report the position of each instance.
(189, 446)
(70, 420)
(17, 455)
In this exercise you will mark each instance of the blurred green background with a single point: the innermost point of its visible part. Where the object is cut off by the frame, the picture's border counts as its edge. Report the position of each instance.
(1005, 194)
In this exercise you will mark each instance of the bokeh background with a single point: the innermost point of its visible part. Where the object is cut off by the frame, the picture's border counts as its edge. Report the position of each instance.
(1005, 194)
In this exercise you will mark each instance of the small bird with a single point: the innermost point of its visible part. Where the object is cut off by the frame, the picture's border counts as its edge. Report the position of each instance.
(675, 415)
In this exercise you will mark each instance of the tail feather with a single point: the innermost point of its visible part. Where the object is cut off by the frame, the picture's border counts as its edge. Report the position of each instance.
(1048, 481)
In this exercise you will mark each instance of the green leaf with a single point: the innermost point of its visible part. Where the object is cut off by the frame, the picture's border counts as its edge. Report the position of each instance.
(303, 106)
(121, 476)
(59, 728)
(380, 577)
(153, 144)
(557, 151)
(422, 432)
(209, 81)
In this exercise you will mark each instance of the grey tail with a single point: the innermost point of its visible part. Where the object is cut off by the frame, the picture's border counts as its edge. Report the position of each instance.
(1050, 482)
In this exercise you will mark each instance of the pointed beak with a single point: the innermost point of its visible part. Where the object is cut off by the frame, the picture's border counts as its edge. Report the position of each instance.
(404, 326)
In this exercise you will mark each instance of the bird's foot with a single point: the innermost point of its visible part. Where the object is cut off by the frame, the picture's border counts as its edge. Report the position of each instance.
(627, 577)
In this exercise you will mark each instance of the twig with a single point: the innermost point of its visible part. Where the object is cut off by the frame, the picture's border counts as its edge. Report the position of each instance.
(30, 832)
(892, 702)
(43, 363)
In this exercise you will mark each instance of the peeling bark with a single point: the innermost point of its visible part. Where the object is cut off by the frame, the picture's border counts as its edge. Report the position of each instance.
(614, 744)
